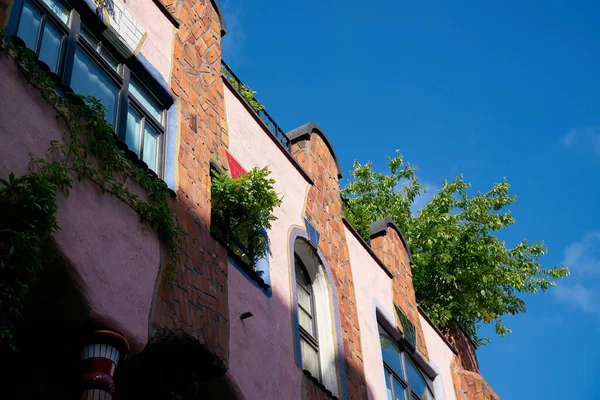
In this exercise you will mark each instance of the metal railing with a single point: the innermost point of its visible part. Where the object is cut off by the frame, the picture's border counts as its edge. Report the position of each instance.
(256, 106)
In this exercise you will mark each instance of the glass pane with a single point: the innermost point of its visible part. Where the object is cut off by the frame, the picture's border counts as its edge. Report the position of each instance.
(50, 48)
(59, 9)
(132, 135)
(146, 99)
(84, 33)
(305, 321)
(304, 299)
(88, 79)
(150, 154)
(29, 25)
(109, 58)
(310, 358)
(388, 384)
(415, 379)
(398, 391)
(391, 355)
(300, 273)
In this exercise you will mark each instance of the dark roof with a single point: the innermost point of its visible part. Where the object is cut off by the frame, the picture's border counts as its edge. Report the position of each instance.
(307, 130)
(215, 4)
(381, 226)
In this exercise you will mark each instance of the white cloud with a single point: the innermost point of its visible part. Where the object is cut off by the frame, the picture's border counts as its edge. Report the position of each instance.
(583, 289)
(578, 296)
(583, 257)
(234, 39)
(569, 139)
(587, 136)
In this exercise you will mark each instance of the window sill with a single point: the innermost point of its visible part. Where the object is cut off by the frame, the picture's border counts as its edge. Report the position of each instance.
(243, 267)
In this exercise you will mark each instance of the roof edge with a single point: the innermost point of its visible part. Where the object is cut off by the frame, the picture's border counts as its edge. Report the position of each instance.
(215, 4)
(307, 130)
(381, 226)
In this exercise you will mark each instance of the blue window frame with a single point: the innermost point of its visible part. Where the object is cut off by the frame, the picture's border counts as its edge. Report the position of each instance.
(43, 26)
(403, 379)
(53, 30)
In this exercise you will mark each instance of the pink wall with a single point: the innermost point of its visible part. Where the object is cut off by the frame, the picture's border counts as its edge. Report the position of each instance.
(373, 288)
(158, 47)
(117, 257)
(265, 342)
(440, 354)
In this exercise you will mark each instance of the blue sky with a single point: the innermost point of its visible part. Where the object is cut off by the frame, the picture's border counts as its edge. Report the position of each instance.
(479, 88)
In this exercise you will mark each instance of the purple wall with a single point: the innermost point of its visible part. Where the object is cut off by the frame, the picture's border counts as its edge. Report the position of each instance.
(117, 257)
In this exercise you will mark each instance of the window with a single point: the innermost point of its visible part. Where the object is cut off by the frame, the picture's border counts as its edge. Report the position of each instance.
(316, 323)
(43, 27)
(309, 346)
(403, 379)
(91, 67)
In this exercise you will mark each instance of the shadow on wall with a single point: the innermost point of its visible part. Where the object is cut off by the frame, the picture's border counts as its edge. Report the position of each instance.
(57, 319)
(49, 338)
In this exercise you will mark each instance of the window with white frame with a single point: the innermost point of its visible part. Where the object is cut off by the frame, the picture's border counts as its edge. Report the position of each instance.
(317, 334)
(82, 60)
(403, 379)
(309, 345)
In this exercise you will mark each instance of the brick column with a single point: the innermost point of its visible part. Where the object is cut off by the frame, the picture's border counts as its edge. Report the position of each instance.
(324, 211)
(196, 304)
(389, 245)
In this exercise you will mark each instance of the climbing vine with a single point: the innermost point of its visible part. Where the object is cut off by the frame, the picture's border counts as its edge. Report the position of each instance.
(87, 152)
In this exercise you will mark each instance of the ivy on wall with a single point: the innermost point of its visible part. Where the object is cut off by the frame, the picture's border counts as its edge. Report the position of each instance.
(87, 152)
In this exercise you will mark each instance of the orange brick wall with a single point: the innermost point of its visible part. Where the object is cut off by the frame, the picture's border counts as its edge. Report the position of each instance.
(324, 211)
(391, 250)
(468, 383)
(196, 305)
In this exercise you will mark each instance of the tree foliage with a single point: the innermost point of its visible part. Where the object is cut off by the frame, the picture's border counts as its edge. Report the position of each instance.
(462, 270)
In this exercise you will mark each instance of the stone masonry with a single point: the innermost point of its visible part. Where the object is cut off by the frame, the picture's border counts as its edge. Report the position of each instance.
(196, 304)
(390, 249)
(324, 211)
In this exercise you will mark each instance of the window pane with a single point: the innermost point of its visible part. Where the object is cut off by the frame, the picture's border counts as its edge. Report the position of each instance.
(50, 48)
(305, 321)
(84, 33)
(310, 358)
(391, 355)
(59, 10)
(134, 125)
(415, 379)
(29, 24)
(150, 153)
(109, 58)
(388, 384)
(304, 299)
(88, 79)
(300, 274)
(146, 99)
(398, 391)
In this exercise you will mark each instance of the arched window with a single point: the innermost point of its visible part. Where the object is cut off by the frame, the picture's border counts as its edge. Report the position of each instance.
(309, 344)
(315, 316)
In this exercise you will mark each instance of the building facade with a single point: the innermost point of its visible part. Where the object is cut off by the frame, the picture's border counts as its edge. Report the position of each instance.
(324, 314)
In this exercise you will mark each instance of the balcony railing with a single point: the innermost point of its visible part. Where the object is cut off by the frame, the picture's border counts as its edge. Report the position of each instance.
(256, 106)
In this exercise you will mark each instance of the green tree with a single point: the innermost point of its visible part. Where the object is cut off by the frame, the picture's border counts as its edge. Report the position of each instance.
(462, 270)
